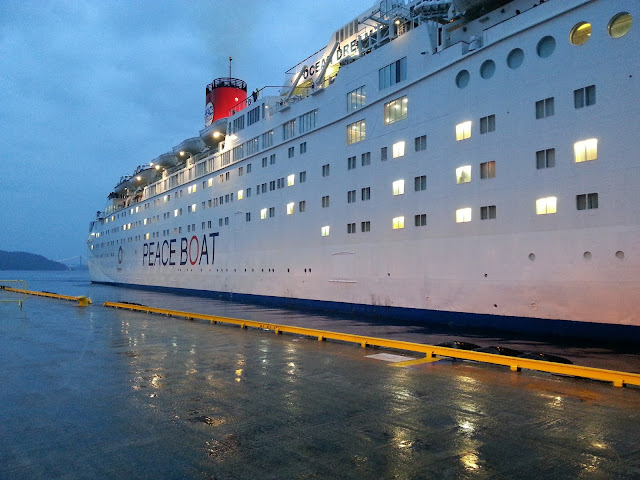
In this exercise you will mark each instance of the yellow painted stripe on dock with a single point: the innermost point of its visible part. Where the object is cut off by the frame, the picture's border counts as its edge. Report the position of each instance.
(82, 301)
(417, 361)
(619, 379)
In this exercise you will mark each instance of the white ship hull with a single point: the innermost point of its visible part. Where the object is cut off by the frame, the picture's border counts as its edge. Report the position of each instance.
(572, 271)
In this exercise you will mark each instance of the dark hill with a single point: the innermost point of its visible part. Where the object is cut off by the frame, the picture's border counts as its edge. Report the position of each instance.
(27, 261)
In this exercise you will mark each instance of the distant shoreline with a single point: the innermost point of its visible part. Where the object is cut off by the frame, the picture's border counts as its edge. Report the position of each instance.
(28, 261)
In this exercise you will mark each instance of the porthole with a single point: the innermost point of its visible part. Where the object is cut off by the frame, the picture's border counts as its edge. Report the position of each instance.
(532, 256)
(587, 255)
(619, 254)
(620, 25)
(515, 58)
(487, 69)
(580, 33)
(546, 46)
(462, 79)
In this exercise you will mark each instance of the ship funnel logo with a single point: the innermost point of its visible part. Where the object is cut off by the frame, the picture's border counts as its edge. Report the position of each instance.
(208, 114)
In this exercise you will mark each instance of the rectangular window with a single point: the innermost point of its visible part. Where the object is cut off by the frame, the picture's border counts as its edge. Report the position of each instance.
(289, 130)
(240, 172)
(272, 185)
(398, 149)
(365, 159)
(488, 212)
(421, 143)
(325, 170)
(219, 222)
(267, 139)
(546, 158)
(398, 223)
(247, 216)
(324, 231)
(383, 154)
(291, 180)
(272, 211)
(325, 201)
(395, 110)
(365, 194)
(351, 228)
(252, 146)
(351, 196)
(303, 176)
(248, 168)
(420, 220)
(463, 174)
(302, 205)
(463, 215)
(586, 150)
(546, 205)
(238, 124)
(248, 192)
(264, 162)
(303, 148)
(291, 152)
(487, 124)
(240, 194)
(308, 121)
(584, 97)
(272, 159)
(365, 226)
(398, 187)
(351, 163)
(356, 99)
(393, 73)
(226, 220)
(420, 183)
(463, 131)
(545, 108)
(356, 132)
(290, 208)
(280, 182)
(253, 115)
(488, 170)
(587, 201)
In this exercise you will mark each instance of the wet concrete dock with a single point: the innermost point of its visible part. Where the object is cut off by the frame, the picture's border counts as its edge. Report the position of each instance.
(100, 393)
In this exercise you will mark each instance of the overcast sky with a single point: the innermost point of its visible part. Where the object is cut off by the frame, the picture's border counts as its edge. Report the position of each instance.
(91, 89)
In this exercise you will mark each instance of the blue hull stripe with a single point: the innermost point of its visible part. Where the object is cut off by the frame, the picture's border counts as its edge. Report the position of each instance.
(562, 329)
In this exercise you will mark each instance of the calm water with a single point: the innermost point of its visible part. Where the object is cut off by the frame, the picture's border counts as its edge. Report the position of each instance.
(101, 393)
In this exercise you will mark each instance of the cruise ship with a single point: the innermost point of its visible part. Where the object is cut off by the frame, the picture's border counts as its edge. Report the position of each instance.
(461, 162)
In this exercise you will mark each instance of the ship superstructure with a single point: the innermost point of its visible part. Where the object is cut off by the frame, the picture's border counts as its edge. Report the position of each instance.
(468, 162)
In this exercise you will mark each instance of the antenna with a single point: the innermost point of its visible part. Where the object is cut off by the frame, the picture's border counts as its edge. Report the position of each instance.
(230, 66)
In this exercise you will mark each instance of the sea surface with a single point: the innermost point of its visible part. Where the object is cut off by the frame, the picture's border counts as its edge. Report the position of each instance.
(101, 393)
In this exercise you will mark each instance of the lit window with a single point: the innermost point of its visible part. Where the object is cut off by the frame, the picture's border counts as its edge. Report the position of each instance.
(193, 207)
(325, 231)
(144, 222)
(580, 33)
(263, 214)
(146, 237)
(191, 189)
(546, 205)
(586, 150)
(398, 149)
(210, 183)
(175, 212)
(398, 187)
(463, 215)
(356, 132)
(290, 208)
(398, 223)
(463, 174)
(240, 194)
(395, 110)
(463, 130)
(291, 179)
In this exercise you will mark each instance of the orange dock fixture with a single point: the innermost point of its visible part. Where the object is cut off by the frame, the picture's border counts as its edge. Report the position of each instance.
(82, 300)
(516, 364)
